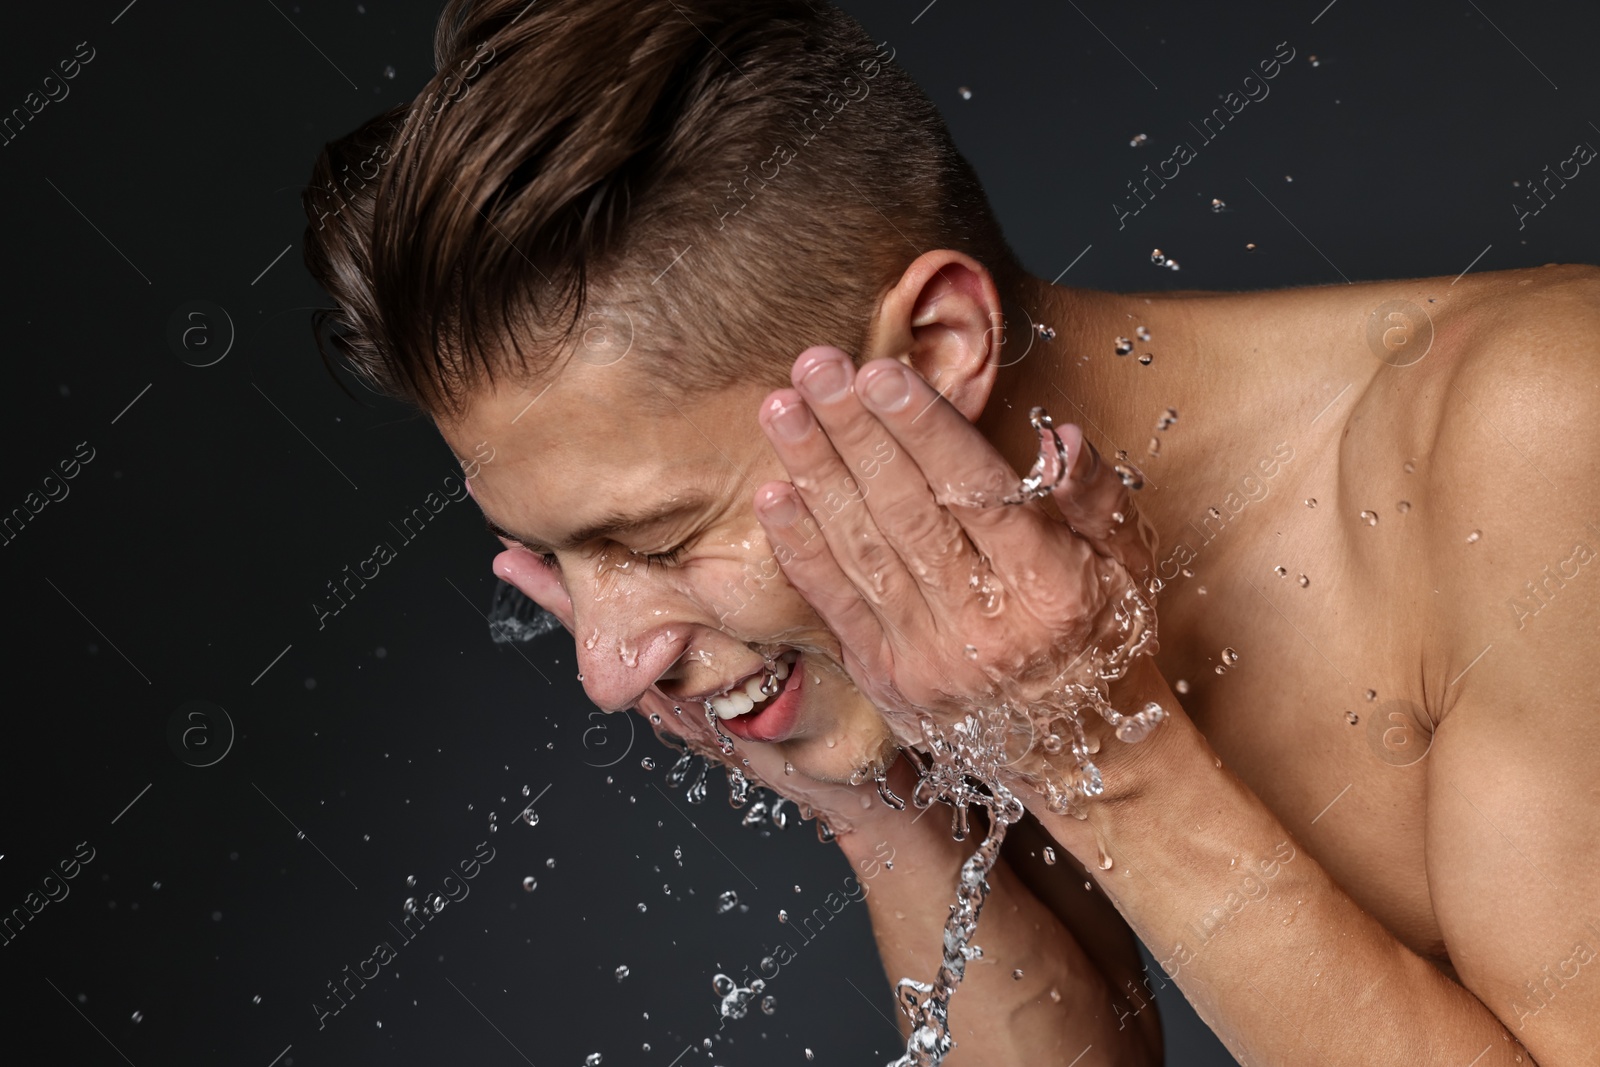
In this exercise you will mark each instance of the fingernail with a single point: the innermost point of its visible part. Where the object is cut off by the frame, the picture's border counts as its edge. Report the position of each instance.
(826, 381)
(781, 509)
(887, 388)
(792, 423)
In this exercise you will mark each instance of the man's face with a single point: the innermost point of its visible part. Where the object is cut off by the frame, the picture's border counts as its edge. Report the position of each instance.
(683, 598)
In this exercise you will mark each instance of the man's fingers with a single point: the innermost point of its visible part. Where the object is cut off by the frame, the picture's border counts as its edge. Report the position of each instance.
(1097, 503)
(832, 497)
(898, 497)
(809, 565)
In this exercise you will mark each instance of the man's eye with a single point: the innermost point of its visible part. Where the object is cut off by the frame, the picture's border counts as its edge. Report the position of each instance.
(666, 559)
(549, 560)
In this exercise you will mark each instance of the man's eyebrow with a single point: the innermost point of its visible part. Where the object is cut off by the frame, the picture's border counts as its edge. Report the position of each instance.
(614, 523)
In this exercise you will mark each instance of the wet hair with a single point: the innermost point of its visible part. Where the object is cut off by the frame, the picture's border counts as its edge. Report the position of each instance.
(710, 186)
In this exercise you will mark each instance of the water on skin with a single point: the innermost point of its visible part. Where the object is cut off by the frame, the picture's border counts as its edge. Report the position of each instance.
(965, 760)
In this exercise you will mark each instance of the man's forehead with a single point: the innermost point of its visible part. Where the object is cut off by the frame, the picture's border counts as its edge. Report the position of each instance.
(584, 451)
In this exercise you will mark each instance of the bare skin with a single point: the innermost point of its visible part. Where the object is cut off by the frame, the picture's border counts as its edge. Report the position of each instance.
(1403, 902)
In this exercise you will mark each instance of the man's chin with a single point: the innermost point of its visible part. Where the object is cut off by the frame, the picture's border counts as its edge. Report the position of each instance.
(849, 760)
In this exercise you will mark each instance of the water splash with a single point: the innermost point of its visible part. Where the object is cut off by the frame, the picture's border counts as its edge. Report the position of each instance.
(965, 759)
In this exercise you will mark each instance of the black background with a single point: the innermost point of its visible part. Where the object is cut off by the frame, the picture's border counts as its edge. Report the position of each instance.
(183, 563)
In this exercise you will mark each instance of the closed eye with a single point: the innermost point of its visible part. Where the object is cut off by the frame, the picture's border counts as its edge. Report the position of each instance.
(667, 559)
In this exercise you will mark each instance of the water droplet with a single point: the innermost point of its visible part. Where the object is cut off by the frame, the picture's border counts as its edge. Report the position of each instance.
(411, 880)
(551, 863)
(1158, 257)
(410, 905)
(256, 999)
(783, 916)
(1146, 358)
(971, 651)
(1155, 447)
(530, 883)
(1351, 717)
(1016, 975)
(642, 908)
(526, 790)
(1180, 686)
(1250, 247)
(1314, 61)
(768, 1004)
(1370, 518)
(1229, 656)
(655, 719)
(1403, 507)
(1304, 581)
(592, 1060)
(389, 72)
(1472, 538)
(648, 764)
(1311, 501)
(138, 1016)
(810, 1055)
(727, 901)
(966, 94)
(1102, 859)
(530, 817)
(1281, 571)
(1217, 205)
(788, 768)
(1049, 856)
(622, 972)
(1200, 590)
(1410, 467)
(1124, 346)
(1142, 333)
(1371, 695)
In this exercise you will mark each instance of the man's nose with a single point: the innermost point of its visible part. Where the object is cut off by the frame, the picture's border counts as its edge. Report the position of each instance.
(619, 662)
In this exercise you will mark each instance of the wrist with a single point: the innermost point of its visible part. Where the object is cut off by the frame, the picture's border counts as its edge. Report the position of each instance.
(1132, 774)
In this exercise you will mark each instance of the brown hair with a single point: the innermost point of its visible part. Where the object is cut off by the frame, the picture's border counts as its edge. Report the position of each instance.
(716, 184)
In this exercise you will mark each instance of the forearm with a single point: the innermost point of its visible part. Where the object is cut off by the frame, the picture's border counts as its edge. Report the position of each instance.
(1273, 954)
(1062, 1006)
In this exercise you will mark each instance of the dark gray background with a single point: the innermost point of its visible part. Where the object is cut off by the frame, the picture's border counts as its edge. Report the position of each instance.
(183, 563)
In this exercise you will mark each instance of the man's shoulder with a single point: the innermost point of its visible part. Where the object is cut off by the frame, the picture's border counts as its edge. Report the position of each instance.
(1525, 354)
(1523, 318)
(1516, 456)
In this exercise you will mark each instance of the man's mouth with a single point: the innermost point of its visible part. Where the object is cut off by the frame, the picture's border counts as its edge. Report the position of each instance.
(755, 692)
(765, 706)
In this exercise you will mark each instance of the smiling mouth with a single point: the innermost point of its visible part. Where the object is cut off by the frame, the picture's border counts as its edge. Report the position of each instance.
(755, 692)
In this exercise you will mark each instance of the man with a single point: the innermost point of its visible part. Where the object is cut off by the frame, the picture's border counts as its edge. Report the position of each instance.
(1363, 834)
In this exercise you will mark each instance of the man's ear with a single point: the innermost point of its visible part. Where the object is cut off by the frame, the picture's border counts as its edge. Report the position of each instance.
(943, 318)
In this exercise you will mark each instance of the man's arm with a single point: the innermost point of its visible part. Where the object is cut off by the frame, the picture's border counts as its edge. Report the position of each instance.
(1062, 1007)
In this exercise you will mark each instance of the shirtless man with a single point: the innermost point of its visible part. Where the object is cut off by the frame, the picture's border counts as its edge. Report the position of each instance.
(1364, 833)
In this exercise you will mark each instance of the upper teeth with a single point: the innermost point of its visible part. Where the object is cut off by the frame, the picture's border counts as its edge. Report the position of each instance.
(742, 697)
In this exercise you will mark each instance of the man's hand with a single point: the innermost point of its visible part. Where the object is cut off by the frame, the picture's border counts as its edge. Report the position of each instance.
(945, 598)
